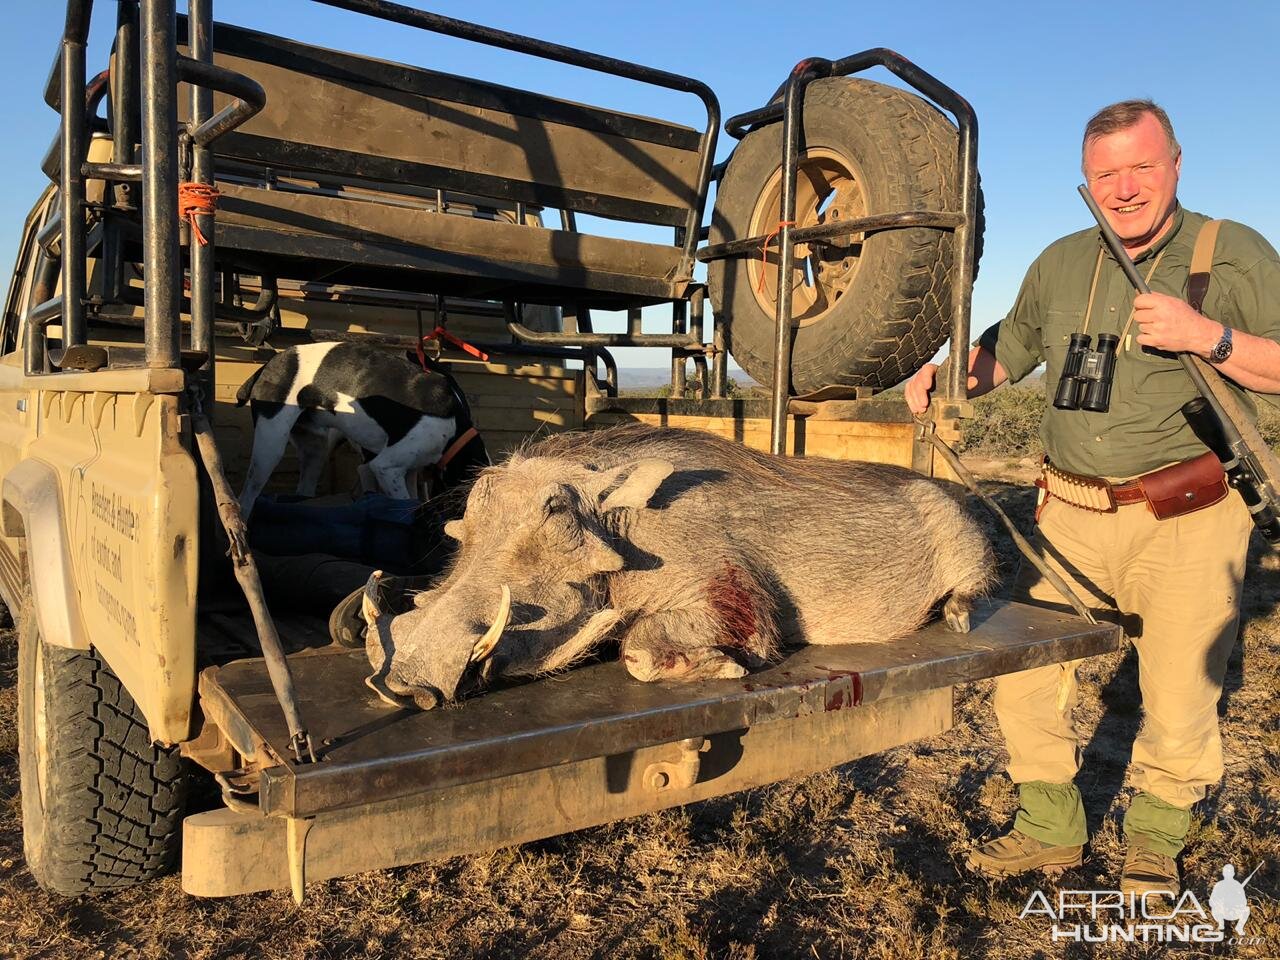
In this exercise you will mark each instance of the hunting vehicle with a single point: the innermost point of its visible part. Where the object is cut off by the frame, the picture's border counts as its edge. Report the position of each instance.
(374, 201)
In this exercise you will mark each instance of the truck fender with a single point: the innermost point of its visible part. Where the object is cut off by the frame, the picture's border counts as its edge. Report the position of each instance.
(31, 507)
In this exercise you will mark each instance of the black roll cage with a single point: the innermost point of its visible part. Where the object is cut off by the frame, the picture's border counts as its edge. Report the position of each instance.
(150, 68)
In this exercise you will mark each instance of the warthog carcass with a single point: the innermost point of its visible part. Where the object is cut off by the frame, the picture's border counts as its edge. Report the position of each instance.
(699, 556)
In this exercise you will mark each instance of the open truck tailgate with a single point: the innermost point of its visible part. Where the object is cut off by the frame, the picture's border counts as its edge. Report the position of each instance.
(397, 786)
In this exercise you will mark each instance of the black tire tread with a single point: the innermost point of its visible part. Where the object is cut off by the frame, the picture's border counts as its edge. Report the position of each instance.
(115, 799)
(878, 351)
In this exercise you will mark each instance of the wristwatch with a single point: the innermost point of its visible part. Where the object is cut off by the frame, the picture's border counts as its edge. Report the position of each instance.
(1222, 349)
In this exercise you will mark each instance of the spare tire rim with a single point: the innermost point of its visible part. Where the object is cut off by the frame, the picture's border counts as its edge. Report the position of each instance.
(828, 188)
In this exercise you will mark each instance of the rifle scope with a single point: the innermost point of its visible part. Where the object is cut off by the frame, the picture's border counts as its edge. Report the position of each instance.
(1241, 474)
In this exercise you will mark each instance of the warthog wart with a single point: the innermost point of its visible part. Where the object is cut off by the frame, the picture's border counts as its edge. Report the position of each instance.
(699, 556)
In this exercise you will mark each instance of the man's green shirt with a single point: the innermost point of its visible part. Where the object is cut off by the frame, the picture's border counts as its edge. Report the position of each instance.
(1144, 429)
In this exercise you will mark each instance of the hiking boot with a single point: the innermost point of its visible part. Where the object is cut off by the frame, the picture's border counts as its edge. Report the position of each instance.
(1016, 852)
(1146, 871)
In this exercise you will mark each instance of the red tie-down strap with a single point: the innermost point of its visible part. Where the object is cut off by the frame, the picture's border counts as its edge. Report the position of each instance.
(764, 251)
(440, 333)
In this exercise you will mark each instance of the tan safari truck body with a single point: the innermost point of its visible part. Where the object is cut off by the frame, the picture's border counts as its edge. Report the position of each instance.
(425, 200)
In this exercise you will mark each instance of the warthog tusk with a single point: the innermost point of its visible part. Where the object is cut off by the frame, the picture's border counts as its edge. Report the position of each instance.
(369, 603)
(484, 646)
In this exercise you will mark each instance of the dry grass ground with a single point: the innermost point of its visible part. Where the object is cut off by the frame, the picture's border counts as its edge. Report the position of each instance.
(862, 861)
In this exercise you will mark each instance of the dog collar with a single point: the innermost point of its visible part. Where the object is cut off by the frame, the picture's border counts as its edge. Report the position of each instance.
(465, 437)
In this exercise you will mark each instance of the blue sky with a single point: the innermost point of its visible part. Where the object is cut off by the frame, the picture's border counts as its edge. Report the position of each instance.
(1033, 71)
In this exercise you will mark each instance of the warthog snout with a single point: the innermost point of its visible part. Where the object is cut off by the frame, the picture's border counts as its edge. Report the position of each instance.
(532, 570)
(412, 676)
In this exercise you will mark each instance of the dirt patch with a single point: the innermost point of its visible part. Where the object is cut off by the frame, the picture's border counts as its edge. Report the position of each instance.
(862, 861)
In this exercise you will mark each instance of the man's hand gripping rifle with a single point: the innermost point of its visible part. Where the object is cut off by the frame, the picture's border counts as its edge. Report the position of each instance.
(1215, 416)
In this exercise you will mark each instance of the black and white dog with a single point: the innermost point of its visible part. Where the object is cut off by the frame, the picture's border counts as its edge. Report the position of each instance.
(402, 417)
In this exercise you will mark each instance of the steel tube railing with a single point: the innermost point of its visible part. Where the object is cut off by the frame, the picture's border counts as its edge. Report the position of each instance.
(203, 268)
(835, 230)
(162, 266)
(45, 310)
(719, 362)
(524, 334)
(130, 172)
(125, 103)
(804, 73)
(73, 149)
(49, 238)
(249, 96)
(679, 359)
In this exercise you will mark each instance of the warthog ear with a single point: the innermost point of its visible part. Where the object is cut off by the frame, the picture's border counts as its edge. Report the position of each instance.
(639, 483)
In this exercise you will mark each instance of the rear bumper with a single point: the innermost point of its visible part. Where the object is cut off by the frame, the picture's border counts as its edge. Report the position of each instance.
(227, 853)
(398, 786)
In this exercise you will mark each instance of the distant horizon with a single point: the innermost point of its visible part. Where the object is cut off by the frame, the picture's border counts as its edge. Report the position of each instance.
(666, 366)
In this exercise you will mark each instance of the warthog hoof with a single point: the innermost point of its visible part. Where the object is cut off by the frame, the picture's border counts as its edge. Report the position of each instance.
(705, 663)
(956, 612)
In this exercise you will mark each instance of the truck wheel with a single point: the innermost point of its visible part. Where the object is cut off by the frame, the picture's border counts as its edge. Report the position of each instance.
(868, 313)
(101, 805)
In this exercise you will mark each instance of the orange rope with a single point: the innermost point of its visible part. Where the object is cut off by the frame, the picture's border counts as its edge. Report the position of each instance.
(195, 200)
(764, 251)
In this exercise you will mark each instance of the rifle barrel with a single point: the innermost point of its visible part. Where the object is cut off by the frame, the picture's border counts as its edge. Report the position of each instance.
(1113, 242)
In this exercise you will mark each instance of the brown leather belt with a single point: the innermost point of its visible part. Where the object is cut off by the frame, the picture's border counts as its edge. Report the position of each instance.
(1129, 492)
(1169, 492)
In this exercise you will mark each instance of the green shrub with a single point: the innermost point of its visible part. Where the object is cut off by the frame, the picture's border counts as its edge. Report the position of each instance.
(694, 383)
(1269, 424)
(1006, 422)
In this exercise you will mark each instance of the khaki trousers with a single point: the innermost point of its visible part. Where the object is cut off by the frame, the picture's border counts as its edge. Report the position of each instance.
(1176, 586)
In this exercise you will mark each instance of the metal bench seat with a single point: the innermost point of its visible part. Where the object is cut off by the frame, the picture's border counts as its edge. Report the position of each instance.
(311, 236)
(379, 133)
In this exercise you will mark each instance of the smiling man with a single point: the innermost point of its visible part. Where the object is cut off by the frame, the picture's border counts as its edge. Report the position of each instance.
(1133, 512)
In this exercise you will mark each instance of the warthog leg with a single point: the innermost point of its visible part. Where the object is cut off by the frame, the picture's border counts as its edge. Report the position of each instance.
(956, 611)
(584, 642)
(651, 653)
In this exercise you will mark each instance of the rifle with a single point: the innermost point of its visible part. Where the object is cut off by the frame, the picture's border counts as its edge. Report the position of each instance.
(1215, 416)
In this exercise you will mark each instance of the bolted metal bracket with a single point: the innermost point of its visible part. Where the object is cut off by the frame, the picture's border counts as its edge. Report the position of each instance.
(680, 772)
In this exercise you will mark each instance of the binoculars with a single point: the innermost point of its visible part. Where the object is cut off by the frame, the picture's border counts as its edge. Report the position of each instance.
(1087, 374)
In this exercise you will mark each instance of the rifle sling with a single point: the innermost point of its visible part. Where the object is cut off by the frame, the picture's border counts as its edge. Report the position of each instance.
(1202, 264)
(1197, 288)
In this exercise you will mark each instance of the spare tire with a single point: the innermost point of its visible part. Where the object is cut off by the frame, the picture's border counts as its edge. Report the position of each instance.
(866, 313)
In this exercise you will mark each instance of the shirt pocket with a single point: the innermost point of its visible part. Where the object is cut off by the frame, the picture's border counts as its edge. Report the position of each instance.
(1152, 371)
(1055, 336)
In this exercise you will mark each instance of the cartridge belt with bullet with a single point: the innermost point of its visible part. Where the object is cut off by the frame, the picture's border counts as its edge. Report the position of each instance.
(1168, 492)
